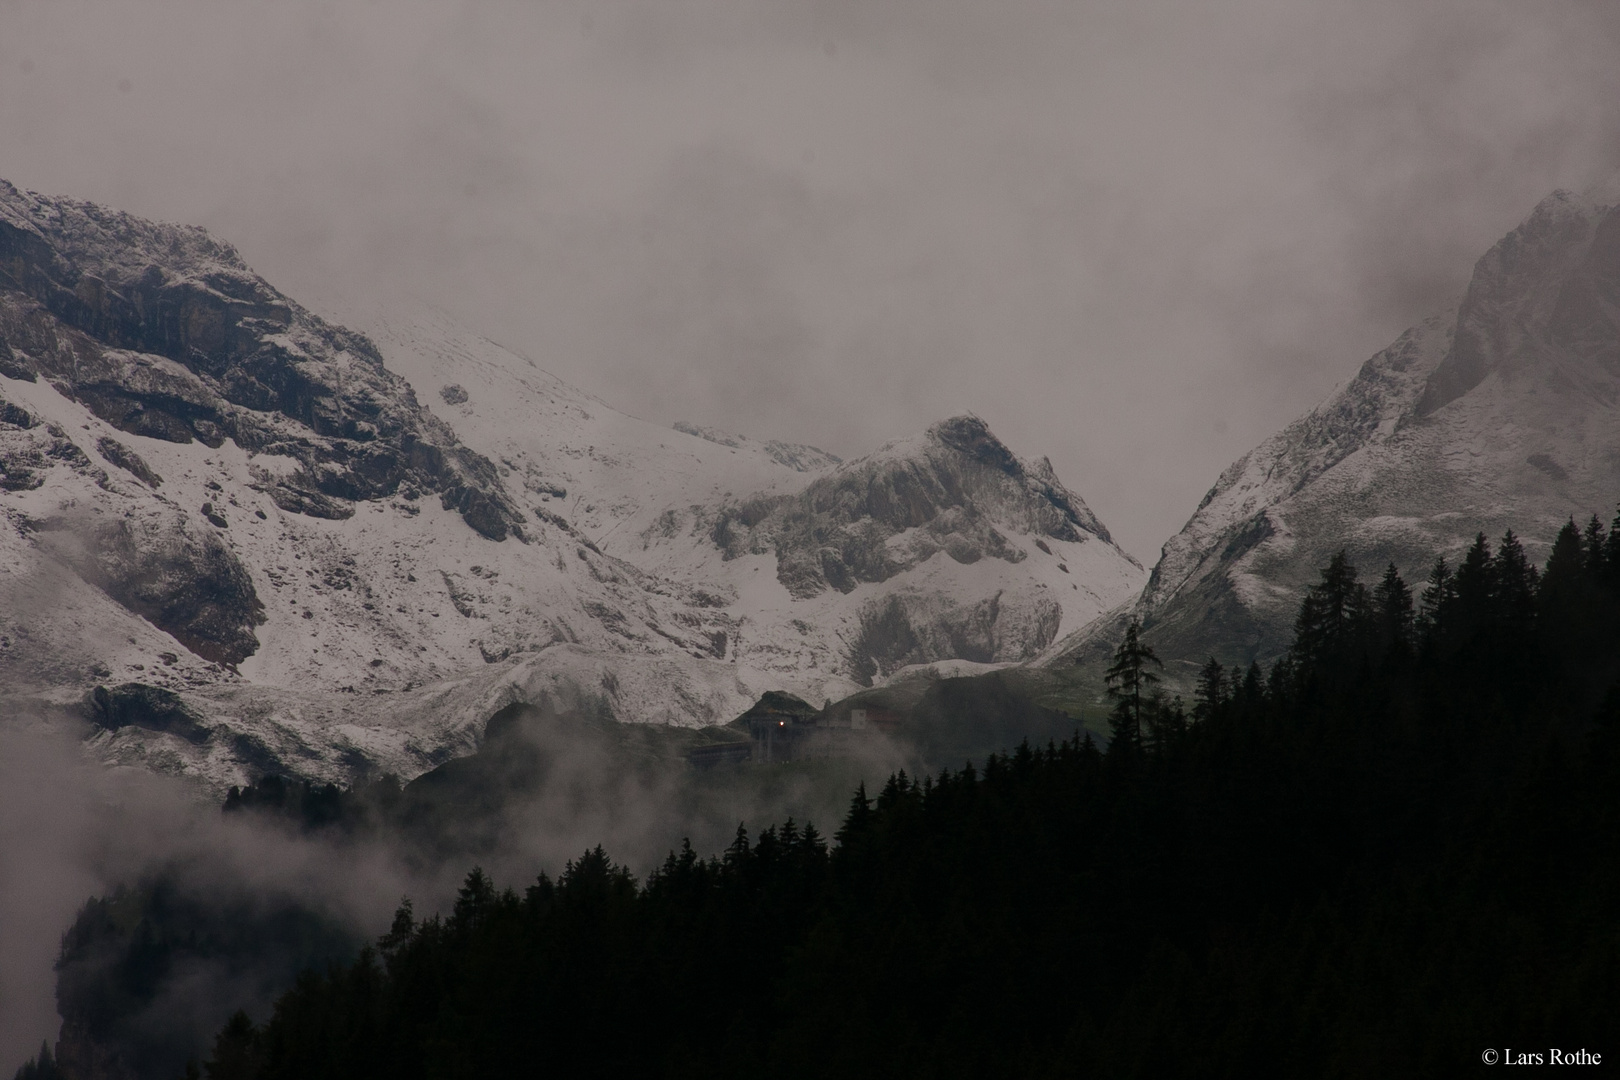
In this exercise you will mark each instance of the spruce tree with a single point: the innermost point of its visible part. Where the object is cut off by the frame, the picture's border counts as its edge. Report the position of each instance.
(1596, 549)
(1564, 599)
(1392, 612)
(1166, 722)
(399, 933)
(238, 1051)
(43, 1067)
(1473, 589)
(858, 819)
(1129, 681)
(1211, 690)
(1566, 577)
(1282, 680)
(1438, 594)
(474, 900)
(1332, 616)
(1513, 581)
(1254, 684)
(1611, 552)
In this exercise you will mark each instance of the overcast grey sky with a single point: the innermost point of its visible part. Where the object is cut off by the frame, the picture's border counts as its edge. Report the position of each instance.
(1135, 237)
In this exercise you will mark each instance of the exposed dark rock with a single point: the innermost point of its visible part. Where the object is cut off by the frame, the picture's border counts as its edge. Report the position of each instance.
(800, 456)
(16, 416)
(486, 515)
(296, 500)
(15, 475)
(1553, 279)
(27, 453)
(453, 394)
(122, 456)
(150, 707)
(719, 438)
(152, 396)
(947, 494)
(190, 586)
(797, 456)
(164, 332)
(464, 599)
(11, 365)
(253, 755)
(63, 449)
(908, 628)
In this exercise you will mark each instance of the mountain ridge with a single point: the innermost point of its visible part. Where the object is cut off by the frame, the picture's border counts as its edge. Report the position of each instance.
(1497, 413)
(227, 497)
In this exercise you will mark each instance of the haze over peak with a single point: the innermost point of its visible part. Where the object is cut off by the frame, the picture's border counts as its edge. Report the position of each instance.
(1501, 413)
(1605, 192)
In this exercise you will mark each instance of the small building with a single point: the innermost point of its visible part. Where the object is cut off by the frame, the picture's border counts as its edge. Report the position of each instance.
(778, 725)
(783, 727)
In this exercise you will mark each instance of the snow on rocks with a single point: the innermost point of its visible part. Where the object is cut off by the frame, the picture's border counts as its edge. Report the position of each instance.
(344, 551)
(1499, 414)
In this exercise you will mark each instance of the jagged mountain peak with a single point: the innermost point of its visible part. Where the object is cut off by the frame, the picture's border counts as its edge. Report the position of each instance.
(1501, 413)
(971, 436)
(954, 488)
(961, 446)
(1537, 297)
(114, 242)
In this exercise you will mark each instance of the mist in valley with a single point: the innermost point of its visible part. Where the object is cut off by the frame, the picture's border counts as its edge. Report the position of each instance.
(544, 790)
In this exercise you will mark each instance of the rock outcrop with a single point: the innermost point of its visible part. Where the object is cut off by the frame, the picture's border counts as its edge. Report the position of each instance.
(180, 578)
(877, 517)
(796, 456)
(910, 627)
(164, 332)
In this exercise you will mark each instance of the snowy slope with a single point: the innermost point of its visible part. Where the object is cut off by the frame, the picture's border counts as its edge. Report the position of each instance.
(656, 497)
(344, 552)
(608, 473)
(1502, 413)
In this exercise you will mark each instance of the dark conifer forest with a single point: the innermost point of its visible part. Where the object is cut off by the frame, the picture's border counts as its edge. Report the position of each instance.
(1396, 847)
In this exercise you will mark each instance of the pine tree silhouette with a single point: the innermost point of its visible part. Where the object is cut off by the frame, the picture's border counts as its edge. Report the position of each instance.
(1130, 681)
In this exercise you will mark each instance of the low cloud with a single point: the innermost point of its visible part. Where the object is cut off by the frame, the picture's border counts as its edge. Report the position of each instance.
(71, 828)
(1135, 238)
(550, 788)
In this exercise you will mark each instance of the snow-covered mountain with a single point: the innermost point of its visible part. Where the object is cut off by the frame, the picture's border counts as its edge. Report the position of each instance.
(276, 542)
(1503, 412)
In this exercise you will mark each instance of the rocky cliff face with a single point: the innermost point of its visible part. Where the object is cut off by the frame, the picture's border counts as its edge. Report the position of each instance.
(1504, 412)
(939, 547)
(162, 331)
(945, 492)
